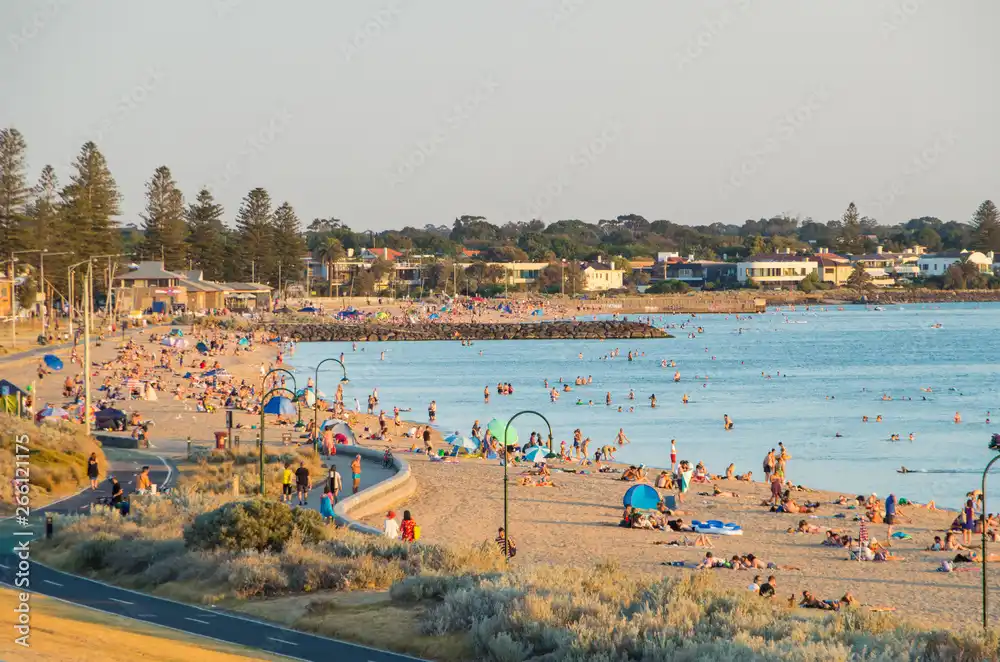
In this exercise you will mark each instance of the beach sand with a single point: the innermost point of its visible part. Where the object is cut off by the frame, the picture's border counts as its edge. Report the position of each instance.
(576, 522)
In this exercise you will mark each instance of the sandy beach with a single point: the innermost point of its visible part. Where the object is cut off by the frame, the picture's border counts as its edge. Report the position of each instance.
(576, 521)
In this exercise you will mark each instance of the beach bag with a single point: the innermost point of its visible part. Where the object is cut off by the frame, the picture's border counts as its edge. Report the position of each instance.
(416, 533)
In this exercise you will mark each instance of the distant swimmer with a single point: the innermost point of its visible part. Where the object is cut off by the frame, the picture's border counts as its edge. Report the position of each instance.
(903, 470)
(838, 435)
(631, 394)
(957, 417)
(580, 355)
(911, 436)
(652, 401)
(727, 422)
(677, 376)
(685, 398)
(878, 419)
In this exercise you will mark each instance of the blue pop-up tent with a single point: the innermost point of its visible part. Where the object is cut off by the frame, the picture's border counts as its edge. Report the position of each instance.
(642, 497)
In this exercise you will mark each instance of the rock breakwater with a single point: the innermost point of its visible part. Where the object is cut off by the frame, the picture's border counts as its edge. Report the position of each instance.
(326, 332)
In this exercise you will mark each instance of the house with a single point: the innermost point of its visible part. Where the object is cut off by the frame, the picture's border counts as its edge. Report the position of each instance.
(775, 270)
(385, 253)
(147, 285)
(601, 276)
(6, 296)
(202, 294)
(834, 269)
(697, 274)
(520, 273)
(936, 264)
(887, 269)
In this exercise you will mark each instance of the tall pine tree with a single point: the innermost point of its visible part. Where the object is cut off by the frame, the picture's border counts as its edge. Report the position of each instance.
(14, 191)
(163, 220)
(851, 240)
(206, 236)
(288, 243)
(255, 237)
(46, 228)
(91, 204)
(986, 224)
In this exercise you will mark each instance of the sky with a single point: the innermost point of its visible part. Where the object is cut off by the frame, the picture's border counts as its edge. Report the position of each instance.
(390, 113)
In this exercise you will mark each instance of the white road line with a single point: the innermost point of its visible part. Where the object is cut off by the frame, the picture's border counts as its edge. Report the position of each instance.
(197, 620)
(124, 602)
(282, 641)
(145, 615)
(48, 581)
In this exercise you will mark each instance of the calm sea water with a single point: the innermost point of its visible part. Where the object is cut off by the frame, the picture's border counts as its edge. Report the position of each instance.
(834, 367)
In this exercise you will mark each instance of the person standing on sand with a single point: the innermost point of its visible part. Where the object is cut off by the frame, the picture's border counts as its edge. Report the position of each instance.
(428, 448)
(783, 457)
(408, 529)
(769, 466)
(777, 483)
(356, 473)
(890, 513)
(390, 528)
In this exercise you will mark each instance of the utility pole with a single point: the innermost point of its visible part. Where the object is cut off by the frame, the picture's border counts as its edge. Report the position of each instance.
(87, 289)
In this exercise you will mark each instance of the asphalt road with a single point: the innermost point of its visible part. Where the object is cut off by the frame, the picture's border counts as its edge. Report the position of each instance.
(209, 623)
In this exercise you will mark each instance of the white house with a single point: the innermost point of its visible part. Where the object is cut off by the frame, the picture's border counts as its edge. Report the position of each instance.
(776, 269)
(936, 264)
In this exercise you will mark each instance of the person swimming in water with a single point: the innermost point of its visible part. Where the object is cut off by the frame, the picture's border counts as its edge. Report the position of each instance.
(727, 422)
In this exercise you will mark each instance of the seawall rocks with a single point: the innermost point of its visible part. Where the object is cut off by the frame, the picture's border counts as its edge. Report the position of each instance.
(327, 332)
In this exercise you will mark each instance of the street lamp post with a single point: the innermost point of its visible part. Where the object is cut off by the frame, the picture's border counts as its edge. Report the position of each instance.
(263, 401)
(994, 445)
(506, 461)
(88, 295)
(343, 380)
(70, 273)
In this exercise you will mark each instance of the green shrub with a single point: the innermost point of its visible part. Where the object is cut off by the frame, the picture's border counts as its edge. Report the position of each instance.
(257, 525)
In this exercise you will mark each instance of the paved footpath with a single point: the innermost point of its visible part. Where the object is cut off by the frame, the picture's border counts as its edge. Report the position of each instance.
(205, 622)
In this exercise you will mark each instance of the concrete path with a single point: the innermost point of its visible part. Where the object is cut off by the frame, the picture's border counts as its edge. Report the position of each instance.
(210, 623)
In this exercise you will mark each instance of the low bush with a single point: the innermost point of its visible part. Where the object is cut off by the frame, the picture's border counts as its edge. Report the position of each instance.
(259, 525)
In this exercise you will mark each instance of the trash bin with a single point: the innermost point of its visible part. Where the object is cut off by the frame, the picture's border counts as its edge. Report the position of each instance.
(220, 440)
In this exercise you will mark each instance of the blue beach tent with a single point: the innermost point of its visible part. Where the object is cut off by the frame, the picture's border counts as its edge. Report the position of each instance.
(642, 497)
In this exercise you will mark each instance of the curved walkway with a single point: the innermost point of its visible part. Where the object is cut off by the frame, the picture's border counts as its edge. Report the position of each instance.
(205, 622)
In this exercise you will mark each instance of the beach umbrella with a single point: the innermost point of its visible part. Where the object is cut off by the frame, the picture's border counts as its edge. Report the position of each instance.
(202, 347)
(496, 429)
(176, 332)
(53, 413)
(53, 361)
(306, 395)
(537, 454)
(244, 341)
(461, 441)
(279, 405)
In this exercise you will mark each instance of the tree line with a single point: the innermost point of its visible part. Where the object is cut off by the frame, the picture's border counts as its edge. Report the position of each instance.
(82, 217)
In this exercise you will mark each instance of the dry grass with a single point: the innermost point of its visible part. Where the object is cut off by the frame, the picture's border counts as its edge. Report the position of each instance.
(58, 459)
(74, 634)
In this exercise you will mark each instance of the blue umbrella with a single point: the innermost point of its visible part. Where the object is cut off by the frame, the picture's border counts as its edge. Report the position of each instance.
(53, 361)
(244, 341)
(202, 347)
(279, 405)
(537, 454)
(461, 441)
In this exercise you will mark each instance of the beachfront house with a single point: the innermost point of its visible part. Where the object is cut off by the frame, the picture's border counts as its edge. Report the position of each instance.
(601, 276)
(936, 264)
(697, 274)
(520, 273)
(775, 270)
(833, 269)
(148, 286)
(6, 296)
(887, 269)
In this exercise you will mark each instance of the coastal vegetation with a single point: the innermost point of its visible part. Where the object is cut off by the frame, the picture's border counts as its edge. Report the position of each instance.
(264, 239)
(57, 457)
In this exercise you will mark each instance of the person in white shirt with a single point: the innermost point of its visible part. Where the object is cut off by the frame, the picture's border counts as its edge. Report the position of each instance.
(334, 483)
(755, 586)
(391, 527)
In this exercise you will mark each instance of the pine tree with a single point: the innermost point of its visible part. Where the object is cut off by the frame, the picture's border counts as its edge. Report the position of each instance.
(45, 228)
(14, 191)
(986, 224)
(91, 203)
(206, 236)
(288, 242)
(860, 281)
(164, 221)
(256, 237)
(850, 233)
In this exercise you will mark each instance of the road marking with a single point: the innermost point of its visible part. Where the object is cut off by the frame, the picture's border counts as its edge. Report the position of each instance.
(197, 620)
(282, 641)
(145, 615)
(124, 602)
(49, 581)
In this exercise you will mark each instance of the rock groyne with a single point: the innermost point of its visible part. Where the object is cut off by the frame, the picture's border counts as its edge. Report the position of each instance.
(326, 332)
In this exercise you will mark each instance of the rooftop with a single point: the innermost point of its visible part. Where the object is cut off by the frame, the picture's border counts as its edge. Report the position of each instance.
(148, 270)
(779, 257)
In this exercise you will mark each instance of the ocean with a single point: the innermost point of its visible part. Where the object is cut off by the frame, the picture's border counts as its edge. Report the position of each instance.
(799, 377)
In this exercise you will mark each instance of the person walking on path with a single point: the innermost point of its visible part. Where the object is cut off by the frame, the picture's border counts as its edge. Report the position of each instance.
(286, 483)
(334, 483)
(356, 473)
(93, 471)
(391, 527)
(408, 529)
(302, 484)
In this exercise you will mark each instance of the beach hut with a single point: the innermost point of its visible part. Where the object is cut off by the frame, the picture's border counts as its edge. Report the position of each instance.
(11, 398)
(641, 497)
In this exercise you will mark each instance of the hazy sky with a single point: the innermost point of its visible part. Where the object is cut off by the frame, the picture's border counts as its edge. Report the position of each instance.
(394, 112)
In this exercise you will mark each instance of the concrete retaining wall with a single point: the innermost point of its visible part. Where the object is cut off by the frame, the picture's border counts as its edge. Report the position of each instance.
(377, 498)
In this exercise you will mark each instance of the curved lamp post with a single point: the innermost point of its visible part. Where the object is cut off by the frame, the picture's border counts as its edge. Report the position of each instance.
(995, 446)
(506, 461)
(263, 401)
(295, 387)
(343, 380)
